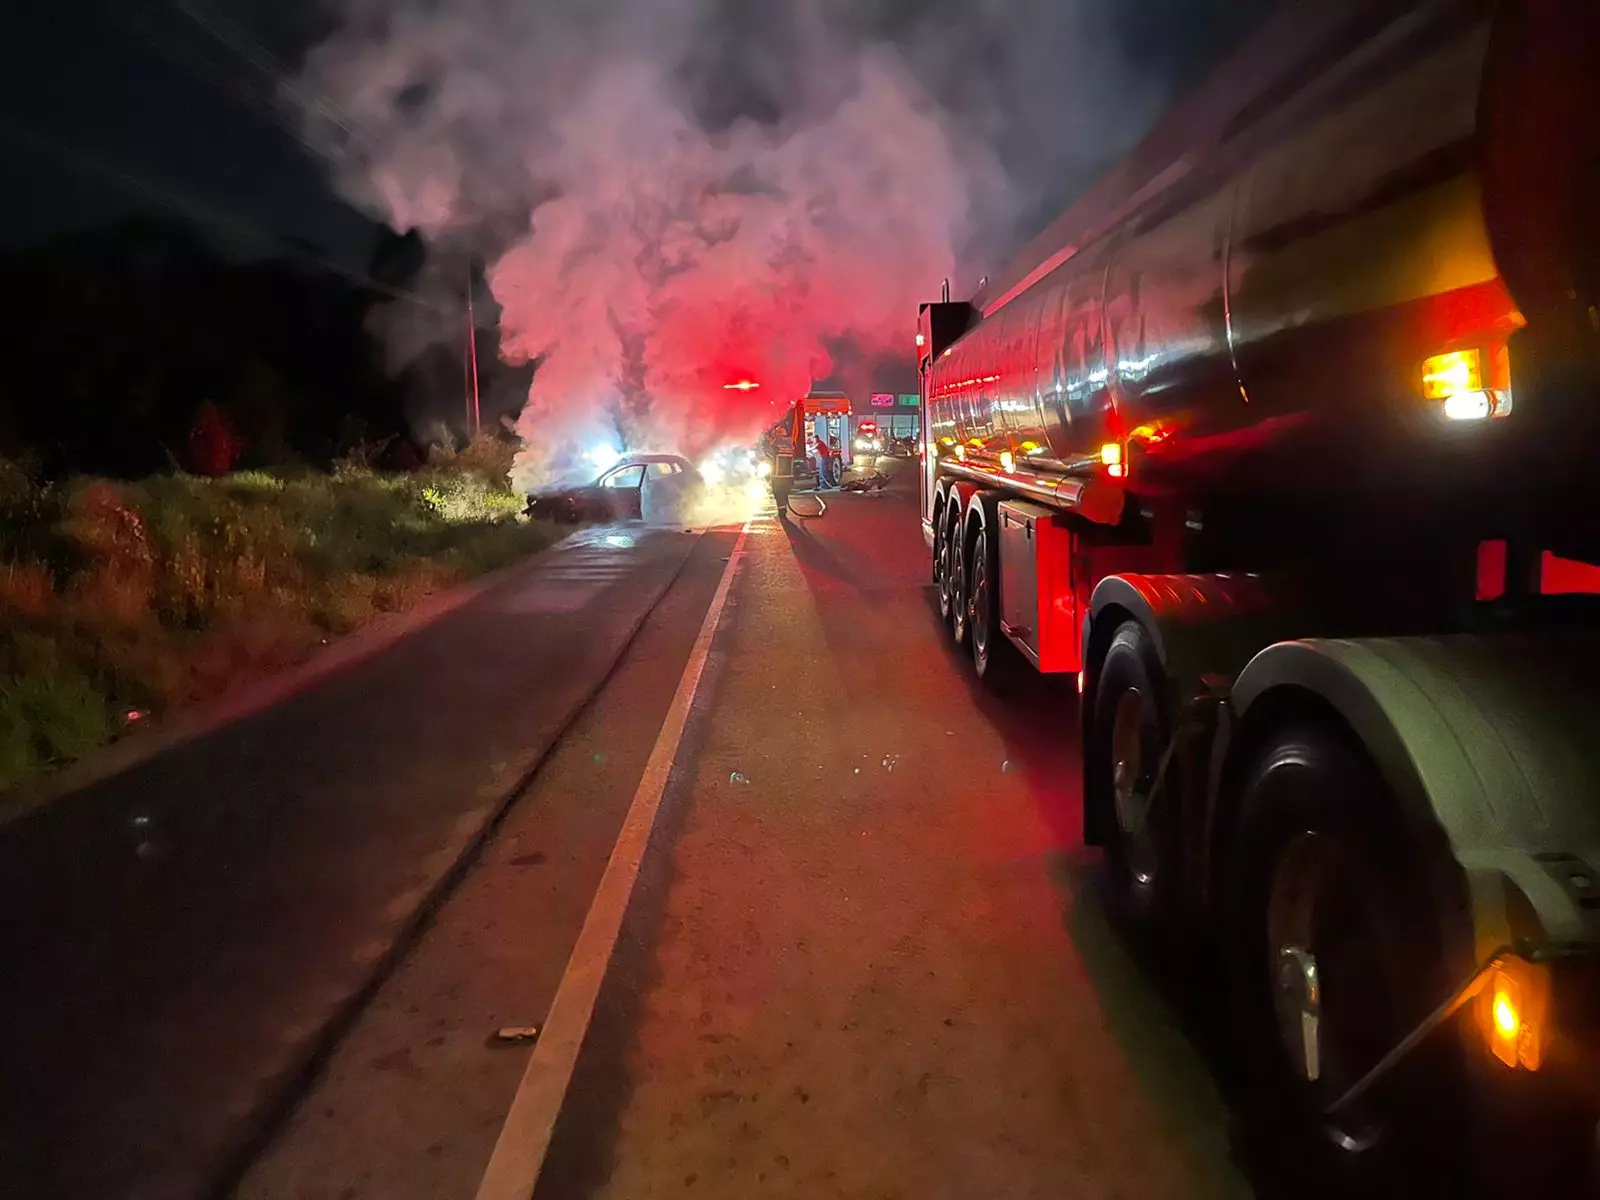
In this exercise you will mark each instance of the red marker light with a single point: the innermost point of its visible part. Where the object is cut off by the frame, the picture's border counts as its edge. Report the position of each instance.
(744, 385)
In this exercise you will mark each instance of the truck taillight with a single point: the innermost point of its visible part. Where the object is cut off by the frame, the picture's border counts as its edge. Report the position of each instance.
(1469, 385)
(1446, 375)
(1515, 1012)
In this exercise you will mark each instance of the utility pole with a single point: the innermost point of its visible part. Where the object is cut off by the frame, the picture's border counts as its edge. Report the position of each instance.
(472, 359)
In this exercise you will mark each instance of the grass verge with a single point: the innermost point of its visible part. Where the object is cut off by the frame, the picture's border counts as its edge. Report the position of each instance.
(120, 602)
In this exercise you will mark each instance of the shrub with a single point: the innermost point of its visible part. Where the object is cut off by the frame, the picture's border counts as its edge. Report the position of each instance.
(487, 457)
(150, 595)
(213, 445)
(27, 588)
(29, 511)
(50, 717)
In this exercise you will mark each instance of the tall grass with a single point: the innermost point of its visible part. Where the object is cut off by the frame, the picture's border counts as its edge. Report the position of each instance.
(121, 600)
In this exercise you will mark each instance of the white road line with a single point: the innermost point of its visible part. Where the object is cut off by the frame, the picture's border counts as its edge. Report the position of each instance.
(524, 1140)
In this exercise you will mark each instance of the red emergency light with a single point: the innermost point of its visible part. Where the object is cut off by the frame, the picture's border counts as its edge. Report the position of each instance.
(744, 385)
(867, 426)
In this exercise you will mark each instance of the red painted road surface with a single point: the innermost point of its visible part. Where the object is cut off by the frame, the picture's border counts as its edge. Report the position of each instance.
(865, 956)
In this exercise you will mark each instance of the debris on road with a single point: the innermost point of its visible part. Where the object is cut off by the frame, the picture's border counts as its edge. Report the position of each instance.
(738, 777)
(889, 761)
(515, 1035)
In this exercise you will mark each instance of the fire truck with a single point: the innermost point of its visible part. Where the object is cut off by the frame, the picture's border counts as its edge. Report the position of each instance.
(791, 444)
(1284, 441)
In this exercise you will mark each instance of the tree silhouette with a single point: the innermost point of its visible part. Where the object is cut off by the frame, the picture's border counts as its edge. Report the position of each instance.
(116, 338)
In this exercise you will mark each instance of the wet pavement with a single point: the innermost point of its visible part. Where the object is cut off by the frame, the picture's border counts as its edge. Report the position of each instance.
(877, 968)
(409, 1104)
(177, 939)
(865, 956)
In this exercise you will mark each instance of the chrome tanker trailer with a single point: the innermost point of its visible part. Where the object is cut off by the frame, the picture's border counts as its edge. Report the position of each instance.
(1285, 440)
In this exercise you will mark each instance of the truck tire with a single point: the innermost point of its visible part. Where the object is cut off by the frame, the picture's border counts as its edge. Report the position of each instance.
(941, 565)
(956, 572)
(995, 658)
(1322, 892)
(1130, 729)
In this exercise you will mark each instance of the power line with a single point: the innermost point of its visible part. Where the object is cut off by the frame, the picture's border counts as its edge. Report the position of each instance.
(249, 48)
(211, 71)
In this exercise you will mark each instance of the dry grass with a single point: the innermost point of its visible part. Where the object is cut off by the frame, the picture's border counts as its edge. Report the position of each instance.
(27, 588)
(146, 597)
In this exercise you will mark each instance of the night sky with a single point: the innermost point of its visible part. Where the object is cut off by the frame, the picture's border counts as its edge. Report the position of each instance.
(113, 105)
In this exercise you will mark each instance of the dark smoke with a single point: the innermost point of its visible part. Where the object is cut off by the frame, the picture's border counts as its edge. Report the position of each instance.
(678, 194)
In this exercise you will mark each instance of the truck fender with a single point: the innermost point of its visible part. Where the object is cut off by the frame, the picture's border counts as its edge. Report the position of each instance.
(950, 503)
(983, 510)
(1199, 625)
(941, 497)
(1487, 744)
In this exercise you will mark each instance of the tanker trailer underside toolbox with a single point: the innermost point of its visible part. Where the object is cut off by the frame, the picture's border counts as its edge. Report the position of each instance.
(1038, 602)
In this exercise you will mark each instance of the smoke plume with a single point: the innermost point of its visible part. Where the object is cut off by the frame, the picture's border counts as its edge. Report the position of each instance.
(676, 195)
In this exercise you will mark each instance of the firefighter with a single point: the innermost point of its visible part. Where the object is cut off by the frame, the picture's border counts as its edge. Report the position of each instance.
(826, 479)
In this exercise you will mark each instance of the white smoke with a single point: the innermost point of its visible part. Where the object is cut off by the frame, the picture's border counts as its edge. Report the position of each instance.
(643, 258)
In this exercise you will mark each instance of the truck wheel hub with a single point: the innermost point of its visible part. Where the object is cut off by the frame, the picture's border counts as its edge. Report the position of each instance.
(1320, 1034)
(977, 606)
(1298, 998)
(1131, 787)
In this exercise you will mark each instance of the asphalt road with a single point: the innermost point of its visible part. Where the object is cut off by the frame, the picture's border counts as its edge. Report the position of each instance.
(178, 941)
(865, 956)
(879, 967)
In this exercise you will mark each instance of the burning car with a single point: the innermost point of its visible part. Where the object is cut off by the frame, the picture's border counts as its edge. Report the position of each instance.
(635, 487)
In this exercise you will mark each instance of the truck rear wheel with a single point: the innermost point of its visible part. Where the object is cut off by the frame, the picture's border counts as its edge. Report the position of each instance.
(956, 573)
(1334, 961)
(994, 657)
(1129, 734)
(941, 564)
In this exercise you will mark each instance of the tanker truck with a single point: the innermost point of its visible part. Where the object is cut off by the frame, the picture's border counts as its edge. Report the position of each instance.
(1284, 441)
